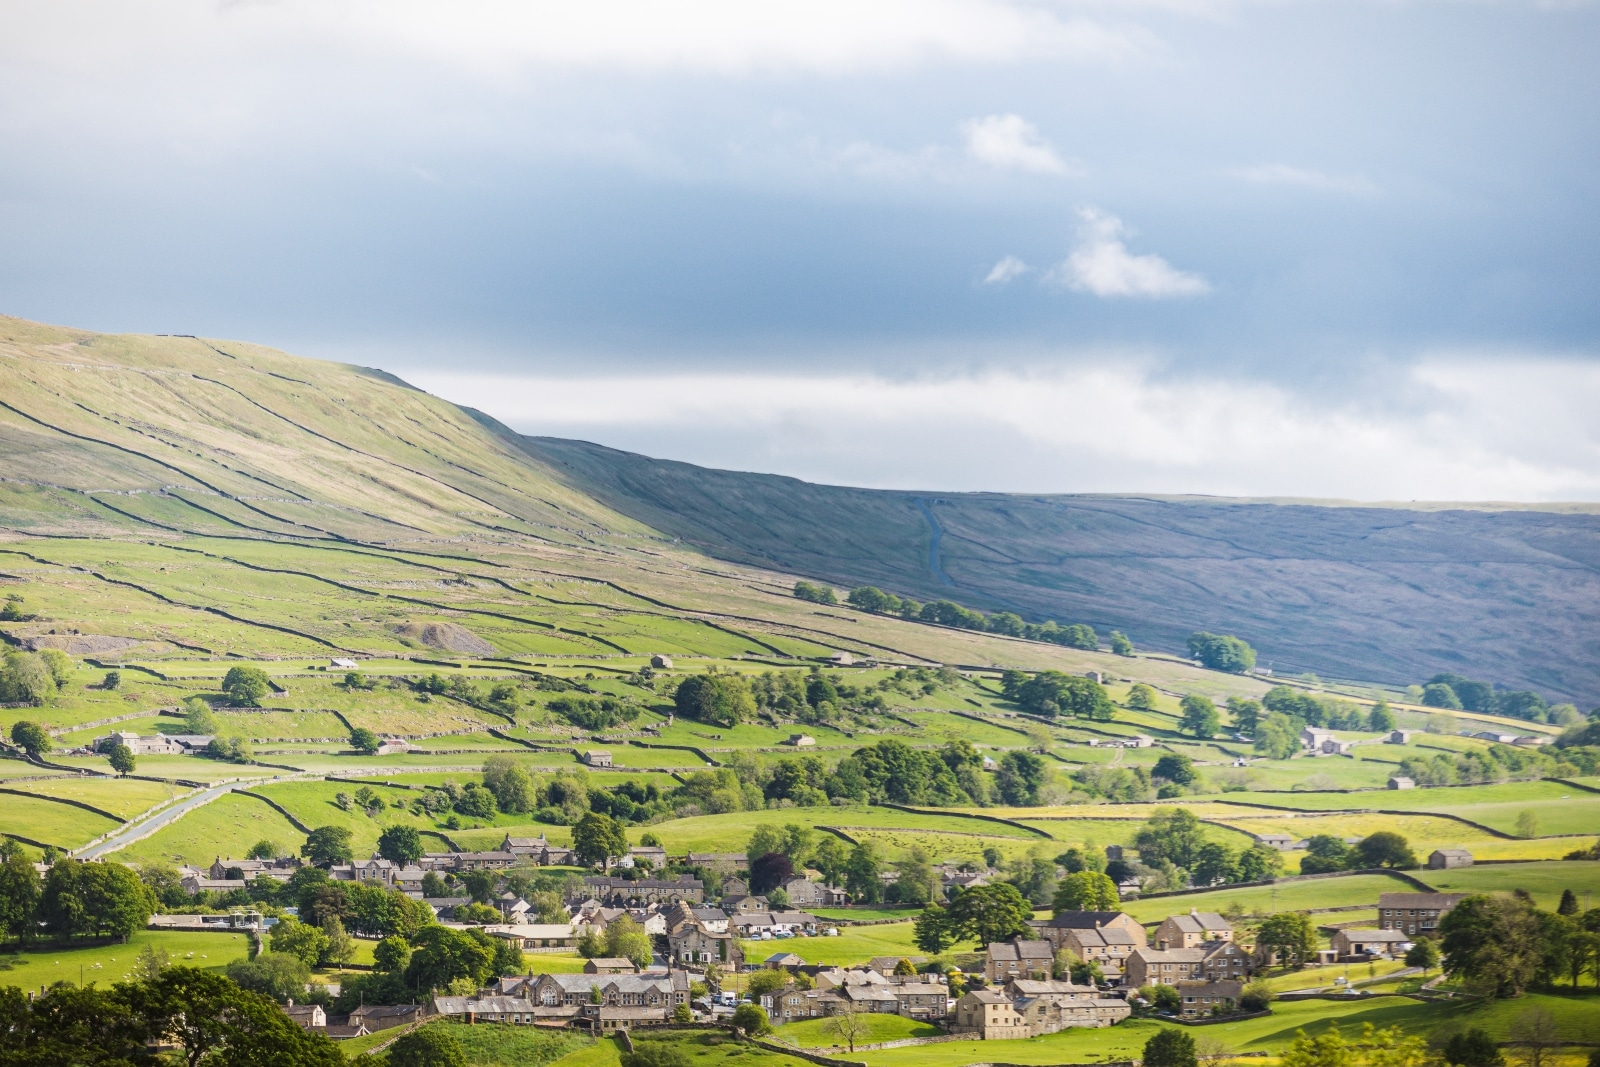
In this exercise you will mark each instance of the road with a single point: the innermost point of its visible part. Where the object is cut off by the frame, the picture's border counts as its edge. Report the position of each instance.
(140, 830)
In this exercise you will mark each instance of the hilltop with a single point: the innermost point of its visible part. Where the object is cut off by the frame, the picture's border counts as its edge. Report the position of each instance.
(1390, 593)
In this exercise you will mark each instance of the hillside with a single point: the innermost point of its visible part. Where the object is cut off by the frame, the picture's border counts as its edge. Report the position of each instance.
(1387, 593)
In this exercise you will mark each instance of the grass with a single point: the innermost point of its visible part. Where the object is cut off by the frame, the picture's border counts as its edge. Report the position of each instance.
(125, 798)
(1283, 896)
(1321, 977)
(225, 827)
(855, 944)
(52, 823)
(493, 1045)
(812, 1033)
(1544, 880)
(1424, 832)
(106, 963)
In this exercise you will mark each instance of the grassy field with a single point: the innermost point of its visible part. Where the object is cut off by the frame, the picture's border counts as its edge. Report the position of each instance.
(855, 944)
(225, 827)
(1424, 832)
(1323, 977)
(106, 963)
(123, 798)
(1559, 808)
(1544, 880)
(812, 1033)
(1283, 896)
(52, 823)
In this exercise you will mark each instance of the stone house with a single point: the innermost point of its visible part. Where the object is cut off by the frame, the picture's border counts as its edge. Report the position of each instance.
(1400, 781)
(1154, 966)
(1192, 930)
(693, 943)
(1108, 946)
(597, 757)
(989, 1014)
(1018, 958)
(1415, 913)
(1209, 998)
(1365, 943)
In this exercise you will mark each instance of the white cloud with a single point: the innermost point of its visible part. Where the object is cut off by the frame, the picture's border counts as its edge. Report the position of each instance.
(1501, 426)
(1006, 270)
(1010, 142)
(1299, 177)
(492, 36)
(1101, 264)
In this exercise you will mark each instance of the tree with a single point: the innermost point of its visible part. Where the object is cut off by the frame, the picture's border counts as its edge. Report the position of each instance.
(121, 758)
(1473, 1048)
(1440, 695)
(769, 872)
(1120, 645)
(513, 789)
(264, 849)
(1052, 693)
(1527, 824)
(364, 740)
(1569, 903)
(441, 955)
(1386, 849)
(929, 931)
(752, 1019)
(816, 594)
(1291, 935)
(216, 1022)
(1170, 1048)
(1175, 767)
(291, 937)
(1325, 854)
(1172, 834)
(717, 699)
(1141, 697)
(1021, 776)
(1534, 1036)
(598, 839)
(1380, 720)
(1246, 715)
(1277, 736)
(861, 874)
(327, 845)
(25, 678)
(1216, 863)
(1257, 996)
(988, 913)
(1222, 652)
(626, 940)
(1259, 863)
(1200, 716)
(1424, 953)
(246, 686)
(428, 1046)
(1085, 891)
(197, 717)
(30, 737)
(20, 889)
(765, 982)
(1492, 940)
(59, 664)
(341, 947)
(400, 844)
(848, 1023)
(278, 975)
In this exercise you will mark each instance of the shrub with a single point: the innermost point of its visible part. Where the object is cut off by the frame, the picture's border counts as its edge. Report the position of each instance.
(431, 1046)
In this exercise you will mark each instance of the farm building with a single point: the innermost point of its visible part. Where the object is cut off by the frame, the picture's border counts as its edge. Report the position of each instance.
(801, 740)
(1281, 842)
(1347, 943)
(1399, 782)
(1442, 859)
(661, 662)
(597, 758)
(1399, 737)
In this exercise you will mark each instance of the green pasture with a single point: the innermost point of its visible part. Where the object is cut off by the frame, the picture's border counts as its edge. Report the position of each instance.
(1559, 808)
(51, 822)
(1114, 831)
(730, 831)
(123, 797)
(1424, 833)
(1544, 880)
(950, 847)
(312, 802)
(1339, 892)
(105, 963)
(225, 827)
(855, 944)
(812, 1033)
(865, 913)
(190, 768)
(1323, 977)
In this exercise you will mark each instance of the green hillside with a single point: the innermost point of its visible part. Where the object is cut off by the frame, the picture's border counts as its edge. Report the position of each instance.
(1394, 593)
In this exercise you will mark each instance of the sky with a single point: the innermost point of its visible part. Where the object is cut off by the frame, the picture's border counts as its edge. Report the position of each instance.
(1241, 247)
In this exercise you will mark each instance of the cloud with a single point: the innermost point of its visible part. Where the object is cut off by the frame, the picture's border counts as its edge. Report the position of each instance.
(1299, 177)
(1450, 427)
(1007, 269)
(1010, 142)
(1101, 264)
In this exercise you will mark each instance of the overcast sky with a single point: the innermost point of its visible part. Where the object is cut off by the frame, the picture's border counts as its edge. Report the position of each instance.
(1344, 249)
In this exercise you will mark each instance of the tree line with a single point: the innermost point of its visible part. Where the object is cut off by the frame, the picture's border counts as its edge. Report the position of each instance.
(870, 598)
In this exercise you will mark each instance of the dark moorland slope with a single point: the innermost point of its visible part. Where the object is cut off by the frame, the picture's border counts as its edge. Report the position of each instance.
(1389, 593)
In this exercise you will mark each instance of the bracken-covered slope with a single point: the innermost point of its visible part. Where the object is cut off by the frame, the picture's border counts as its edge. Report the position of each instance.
(1385, 593)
